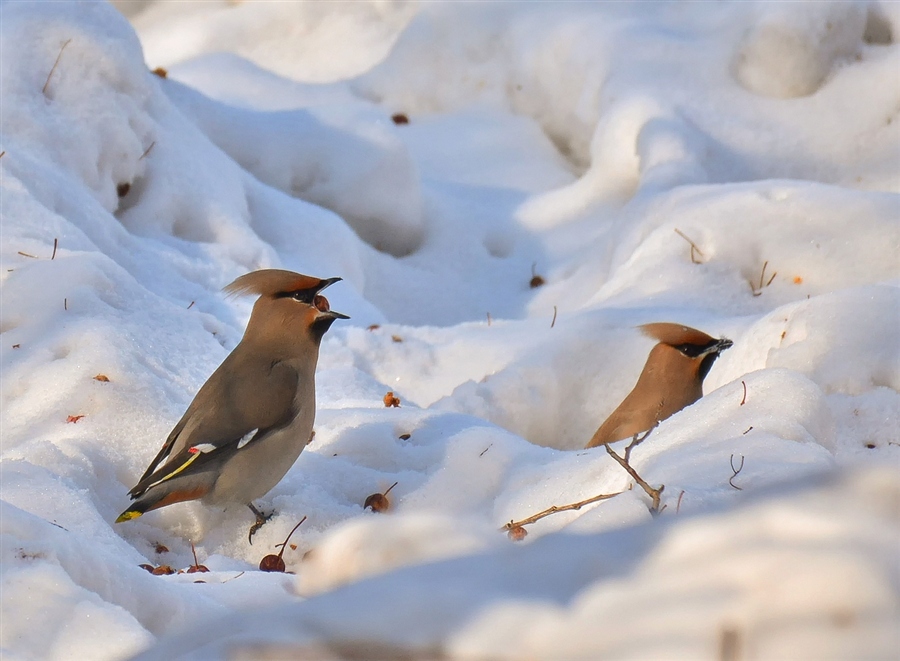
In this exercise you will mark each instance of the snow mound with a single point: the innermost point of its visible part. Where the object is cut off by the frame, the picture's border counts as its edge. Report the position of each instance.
(508, 191)
(749, 578)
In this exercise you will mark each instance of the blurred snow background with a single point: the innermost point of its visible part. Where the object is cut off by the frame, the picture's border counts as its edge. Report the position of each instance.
(566, 140)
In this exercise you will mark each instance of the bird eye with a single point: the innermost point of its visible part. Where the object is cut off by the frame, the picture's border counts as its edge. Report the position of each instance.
(321, 303)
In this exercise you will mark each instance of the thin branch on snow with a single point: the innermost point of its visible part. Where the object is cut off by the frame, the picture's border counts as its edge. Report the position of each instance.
(559, 508)
(736, 471)
(625, 462)
(763, 283)
(147, 150)
(55, 64)
(694, 248)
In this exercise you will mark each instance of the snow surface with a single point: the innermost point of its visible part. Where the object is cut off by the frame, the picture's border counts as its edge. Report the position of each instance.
(566, 140)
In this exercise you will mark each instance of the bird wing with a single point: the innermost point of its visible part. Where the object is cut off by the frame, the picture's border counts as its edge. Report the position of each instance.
(227, 412)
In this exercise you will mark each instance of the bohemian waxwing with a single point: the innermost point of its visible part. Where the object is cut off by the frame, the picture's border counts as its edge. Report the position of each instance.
(672, 379)
(254, 415)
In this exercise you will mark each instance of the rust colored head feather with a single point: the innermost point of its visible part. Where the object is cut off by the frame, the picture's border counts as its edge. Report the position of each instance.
(270, 282)
(676, 334)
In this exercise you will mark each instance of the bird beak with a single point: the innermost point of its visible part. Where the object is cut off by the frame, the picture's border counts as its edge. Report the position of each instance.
(327, 283)
(718, 347)
(327, 311)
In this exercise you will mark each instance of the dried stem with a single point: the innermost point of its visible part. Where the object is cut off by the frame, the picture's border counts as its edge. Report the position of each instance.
(763, 283)
(559, 508)
(284, 543)
(147, 150)
(553, 323)
(736, 471)
(388, 490)
(678, 504)
(55, 246)
(53, 68)
(625, 462)
(694, 247)
(744, 398)
(489, 318)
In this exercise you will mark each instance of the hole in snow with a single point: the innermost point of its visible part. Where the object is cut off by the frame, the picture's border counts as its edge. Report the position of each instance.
(498, 244)
(191, 229)
(878, 28)
(7, 325)
(61, 352)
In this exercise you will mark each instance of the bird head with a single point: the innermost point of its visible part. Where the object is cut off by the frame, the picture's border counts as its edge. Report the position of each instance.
(290, 307)
(696, 346)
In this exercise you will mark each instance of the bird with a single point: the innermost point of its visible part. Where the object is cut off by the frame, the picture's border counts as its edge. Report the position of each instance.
(671, 380)
(250, 421)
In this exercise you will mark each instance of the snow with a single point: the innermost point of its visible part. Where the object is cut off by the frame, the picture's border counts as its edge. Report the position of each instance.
(590, 144)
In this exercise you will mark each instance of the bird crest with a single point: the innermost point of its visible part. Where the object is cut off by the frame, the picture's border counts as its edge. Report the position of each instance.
(676, 334)
(269, 282)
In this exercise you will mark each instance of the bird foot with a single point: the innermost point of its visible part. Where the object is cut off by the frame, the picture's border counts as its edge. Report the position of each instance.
(261, 520)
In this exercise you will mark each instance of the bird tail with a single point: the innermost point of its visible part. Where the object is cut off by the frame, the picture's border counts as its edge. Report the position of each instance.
(162, 495)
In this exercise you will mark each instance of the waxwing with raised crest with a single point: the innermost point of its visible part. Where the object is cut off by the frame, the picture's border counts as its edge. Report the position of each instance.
(671, 380)
(252, 418)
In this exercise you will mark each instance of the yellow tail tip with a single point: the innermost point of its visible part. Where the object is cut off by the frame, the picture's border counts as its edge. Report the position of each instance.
(128, 516)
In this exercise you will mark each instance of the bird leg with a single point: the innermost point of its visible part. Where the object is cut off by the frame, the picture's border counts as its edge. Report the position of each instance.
(260, 521)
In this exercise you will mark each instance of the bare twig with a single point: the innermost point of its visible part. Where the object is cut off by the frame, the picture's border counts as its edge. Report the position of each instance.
(744, 398)
(233, 577)
(763, 283)
(559, 508)
(553, 323)
(147, 150)
(485, 450)
(284, 543)
(55, 64)
(694, 247)
(2, 153)
(747, 431)
(637, 440)
(25, 254)
(65, 304)
(678, 504)
(55, 246)
(625, 462)
(736, 471)
(191, 305)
